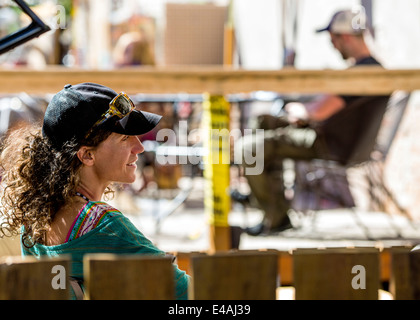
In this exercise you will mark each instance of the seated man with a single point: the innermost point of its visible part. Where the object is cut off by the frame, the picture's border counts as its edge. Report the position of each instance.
(297, 136)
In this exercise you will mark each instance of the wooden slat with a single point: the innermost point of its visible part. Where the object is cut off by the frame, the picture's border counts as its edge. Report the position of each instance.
(326, 274)
(215, 80)
(284, 264)
(234, 276)
(405, 273)
(32, 279)
(415, 273)
(400, 284)
(128, 277)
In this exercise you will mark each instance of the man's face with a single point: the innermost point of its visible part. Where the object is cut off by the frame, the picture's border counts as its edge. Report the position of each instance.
(339, 43)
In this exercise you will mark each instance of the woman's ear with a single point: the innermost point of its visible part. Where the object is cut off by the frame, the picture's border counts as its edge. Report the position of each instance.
(85, 155)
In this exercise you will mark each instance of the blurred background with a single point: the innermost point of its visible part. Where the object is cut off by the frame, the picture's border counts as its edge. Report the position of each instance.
(264, 35)
(95, 33)
(168, 201)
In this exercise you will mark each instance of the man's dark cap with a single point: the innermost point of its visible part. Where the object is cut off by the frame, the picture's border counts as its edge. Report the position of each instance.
(347, 22)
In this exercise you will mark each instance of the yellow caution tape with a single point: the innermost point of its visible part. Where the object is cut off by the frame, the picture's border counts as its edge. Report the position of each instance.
(216, 141)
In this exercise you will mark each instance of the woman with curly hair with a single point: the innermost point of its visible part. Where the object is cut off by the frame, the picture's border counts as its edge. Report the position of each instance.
(54, 178)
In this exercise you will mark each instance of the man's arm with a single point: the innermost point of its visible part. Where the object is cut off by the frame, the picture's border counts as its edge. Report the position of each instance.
(320, 109)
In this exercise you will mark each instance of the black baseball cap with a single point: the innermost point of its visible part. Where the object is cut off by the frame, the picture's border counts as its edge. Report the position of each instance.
(73, 111)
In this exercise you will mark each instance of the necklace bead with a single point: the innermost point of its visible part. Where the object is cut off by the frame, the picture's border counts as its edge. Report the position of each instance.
(82, 196)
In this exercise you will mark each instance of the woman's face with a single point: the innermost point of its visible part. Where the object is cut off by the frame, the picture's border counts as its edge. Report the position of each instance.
(115, 158)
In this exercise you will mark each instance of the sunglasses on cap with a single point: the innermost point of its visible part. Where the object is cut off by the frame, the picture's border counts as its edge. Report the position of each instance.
(120, 106)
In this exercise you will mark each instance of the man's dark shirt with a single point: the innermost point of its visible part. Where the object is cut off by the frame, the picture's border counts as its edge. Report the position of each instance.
(341, 131)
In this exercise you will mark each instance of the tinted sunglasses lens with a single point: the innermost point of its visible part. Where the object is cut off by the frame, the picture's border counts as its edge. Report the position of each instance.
(123, 105)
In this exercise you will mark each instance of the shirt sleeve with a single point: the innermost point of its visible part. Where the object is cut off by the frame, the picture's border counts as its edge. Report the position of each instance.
(128, 239)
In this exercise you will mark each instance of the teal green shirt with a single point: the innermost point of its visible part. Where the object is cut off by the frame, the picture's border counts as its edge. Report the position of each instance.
(113, 233)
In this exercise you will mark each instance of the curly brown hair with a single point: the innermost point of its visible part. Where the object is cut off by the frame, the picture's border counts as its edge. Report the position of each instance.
(37, 180)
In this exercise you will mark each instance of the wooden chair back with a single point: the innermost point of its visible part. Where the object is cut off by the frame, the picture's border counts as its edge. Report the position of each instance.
(234, 276)
(128, 277)
(336, 274)
(28, 278)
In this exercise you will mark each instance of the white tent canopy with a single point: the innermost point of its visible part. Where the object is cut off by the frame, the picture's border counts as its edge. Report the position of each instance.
(263, 28)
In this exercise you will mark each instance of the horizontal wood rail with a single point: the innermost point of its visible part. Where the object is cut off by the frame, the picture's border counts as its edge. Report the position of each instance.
(215, 80)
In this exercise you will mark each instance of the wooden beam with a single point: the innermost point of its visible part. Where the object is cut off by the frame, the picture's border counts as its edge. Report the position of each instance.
(215, 80)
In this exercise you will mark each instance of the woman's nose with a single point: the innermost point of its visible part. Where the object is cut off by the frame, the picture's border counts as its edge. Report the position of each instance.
(137, 145)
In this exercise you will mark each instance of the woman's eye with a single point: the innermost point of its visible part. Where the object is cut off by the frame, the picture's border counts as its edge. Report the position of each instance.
(125, 138)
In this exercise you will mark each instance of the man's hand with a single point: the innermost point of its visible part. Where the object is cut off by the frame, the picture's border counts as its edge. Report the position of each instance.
(318, 110)
(297, 113)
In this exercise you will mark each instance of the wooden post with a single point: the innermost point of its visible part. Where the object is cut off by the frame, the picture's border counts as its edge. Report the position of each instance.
(183, 259)
(128, 277)
(336, 274)
(216, 170)
(286, 268)
(234, 276)
(27, 278)
(229, 38)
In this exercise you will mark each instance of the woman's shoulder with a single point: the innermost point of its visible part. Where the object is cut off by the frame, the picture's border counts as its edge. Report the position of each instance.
(92, 215)
(100, 208)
